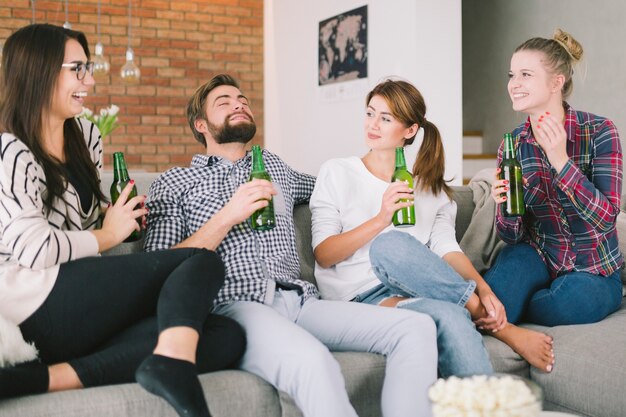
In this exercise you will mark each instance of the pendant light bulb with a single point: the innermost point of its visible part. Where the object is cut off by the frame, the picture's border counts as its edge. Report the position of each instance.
(67, 24)
(100, 64)
(130, 72)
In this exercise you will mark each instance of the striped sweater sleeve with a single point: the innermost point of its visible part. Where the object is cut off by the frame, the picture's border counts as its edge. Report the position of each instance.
(25, 229)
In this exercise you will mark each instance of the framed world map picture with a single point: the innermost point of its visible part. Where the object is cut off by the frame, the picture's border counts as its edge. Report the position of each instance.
(343, 47)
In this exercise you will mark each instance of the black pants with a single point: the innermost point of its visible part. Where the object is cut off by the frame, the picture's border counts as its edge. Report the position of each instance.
(104, 314)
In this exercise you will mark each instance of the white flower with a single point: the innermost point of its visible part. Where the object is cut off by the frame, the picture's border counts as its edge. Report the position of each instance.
(106, 121)
(86, 113)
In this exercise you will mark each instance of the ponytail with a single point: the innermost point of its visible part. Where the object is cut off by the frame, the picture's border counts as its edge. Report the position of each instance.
(407, 105)
(430, 164)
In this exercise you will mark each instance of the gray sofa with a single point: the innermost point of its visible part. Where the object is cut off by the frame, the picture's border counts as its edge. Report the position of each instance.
(589, 378)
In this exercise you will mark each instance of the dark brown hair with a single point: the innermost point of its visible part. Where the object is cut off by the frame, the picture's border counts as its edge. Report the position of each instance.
(197, 102)
(562, 53)
(31, 64)
(408, 106)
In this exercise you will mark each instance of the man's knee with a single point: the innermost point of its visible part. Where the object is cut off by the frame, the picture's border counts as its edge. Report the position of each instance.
(416, 325)
(309, 363)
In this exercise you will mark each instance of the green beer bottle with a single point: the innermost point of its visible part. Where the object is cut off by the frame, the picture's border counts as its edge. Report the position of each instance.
(404, 217)
(511, 170)
(262, 219)
(120, 179)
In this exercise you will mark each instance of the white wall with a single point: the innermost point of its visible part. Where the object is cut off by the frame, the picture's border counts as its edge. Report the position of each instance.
(419, 40)
(492, 29)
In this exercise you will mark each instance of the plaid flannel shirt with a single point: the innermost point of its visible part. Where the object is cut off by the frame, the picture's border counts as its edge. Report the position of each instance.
(570, 216)
(182, 199)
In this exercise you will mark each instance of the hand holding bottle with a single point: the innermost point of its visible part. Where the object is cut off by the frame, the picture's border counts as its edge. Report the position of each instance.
(397, 196)
(249, 198)
(500, 187)
(120, 219)
(404, 217)
(510, 175)
(121, 181)
(264, 218)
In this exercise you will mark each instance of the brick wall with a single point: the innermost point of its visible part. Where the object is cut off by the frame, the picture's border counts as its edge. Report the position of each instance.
(178, 44)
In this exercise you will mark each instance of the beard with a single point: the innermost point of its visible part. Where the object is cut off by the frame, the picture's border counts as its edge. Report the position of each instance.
(243, 132)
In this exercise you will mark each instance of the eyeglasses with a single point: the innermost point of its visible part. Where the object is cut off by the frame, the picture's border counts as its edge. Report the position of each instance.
(81, 68)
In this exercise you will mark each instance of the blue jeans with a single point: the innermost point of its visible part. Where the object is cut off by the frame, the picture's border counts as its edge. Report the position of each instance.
(408, 268)
(521, 280)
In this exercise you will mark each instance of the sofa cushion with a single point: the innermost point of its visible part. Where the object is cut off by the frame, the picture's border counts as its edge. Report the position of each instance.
(228, 393)
(227, 388)
(589, 369)
(363, 373)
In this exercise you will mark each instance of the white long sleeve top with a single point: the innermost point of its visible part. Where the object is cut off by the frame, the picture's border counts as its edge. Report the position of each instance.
(34, 243)
(346, 195)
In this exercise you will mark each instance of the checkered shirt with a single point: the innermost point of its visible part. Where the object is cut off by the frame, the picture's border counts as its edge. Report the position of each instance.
(181, 200)
(570, 216)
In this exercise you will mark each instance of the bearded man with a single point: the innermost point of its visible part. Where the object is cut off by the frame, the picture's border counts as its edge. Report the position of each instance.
(289, 330)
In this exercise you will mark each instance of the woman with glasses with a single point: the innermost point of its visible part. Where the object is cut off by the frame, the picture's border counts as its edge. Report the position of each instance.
(94, 320)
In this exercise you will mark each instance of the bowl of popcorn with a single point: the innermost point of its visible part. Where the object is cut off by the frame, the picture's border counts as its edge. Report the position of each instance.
(485, 396)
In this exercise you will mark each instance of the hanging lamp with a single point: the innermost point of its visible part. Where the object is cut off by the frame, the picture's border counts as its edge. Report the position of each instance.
(130, 72)
(67, 24)
(100, 64)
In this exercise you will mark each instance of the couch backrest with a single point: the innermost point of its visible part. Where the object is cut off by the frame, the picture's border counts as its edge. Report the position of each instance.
(302, 218)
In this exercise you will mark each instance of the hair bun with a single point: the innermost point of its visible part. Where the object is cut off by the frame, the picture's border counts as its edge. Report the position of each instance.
(571, 45)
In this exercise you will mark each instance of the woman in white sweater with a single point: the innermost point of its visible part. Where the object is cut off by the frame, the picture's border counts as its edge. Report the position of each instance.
(352, 208)
(95, 320)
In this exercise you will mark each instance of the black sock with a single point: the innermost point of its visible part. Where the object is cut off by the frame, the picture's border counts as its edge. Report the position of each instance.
(176, 381)
(24, 379)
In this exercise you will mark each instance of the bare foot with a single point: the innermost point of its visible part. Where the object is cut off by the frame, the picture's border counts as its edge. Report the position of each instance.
(535, 347)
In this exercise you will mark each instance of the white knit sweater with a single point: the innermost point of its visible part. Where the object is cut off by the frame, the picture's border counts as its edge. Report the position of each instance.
(32, 243)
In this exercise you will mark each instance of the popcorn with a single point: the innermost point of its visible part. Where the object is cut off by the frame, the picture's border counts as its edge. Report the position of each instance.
(482, 396)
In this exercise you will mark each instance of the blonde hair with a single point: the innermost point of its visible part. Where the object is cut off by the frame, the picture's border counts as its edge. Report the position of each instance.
(563, 52)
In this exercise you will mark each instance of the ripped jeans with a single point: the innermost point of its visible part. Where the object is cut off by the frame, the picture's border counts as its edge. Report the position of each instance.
(407, 268)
